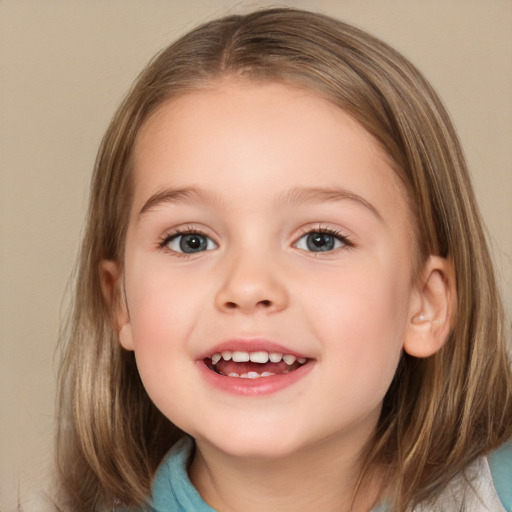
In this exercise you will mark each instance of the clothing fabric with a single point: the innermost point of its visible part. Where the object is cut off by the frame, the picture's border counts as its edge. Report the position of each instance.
(172, 489)
(473, 491)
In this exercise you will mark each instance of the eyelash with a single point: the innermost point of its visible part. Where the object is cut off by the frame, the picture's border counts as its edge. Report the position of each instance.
(169, 237)
(344, 239)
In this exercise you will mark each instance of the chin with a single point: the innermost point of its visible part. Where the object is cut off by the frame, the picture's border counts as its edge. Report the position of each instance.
(255, 444)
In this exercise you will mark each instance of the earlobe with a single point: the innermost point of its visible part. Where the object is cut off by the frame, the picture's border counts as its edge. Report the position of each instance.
(125, 336)
(111, 287)
(432, 308)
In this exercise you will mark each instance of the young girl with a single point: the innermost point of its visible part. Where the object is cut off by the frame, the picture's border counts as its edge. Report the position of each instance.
(284, 299)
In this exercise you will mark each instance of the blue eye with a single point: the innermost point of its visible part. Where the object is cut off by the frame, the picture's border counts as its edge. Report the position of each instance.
(321, 241)
(189, 243)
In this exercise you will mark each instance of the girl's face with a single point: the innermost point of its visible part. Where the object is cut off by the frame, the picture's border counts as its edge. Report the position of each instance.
(265, 223)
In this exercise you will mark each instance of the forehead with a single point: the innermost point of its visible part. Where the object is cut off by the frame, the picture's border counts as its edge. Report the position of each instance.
(258, 138)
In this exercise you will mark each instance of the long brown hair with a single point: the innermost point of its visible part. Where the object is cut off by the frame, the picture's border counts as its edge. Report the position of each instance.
(440, 412)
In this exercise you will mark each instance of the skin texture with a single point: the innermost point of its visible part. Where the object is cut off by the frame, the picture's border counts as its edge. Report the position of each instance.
(242, 151)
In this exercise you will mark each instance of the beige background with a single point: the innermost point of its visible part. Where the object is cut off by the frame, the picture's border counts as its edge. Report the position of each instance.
(64, 66)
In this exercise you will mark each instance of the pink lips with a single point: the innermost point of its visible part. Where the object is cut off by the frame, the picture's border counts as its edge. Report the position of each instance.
(252, 386)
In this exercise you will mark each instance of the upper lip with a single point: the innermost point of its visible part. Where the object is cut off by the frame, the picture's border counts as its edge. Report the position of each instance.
(251, 345)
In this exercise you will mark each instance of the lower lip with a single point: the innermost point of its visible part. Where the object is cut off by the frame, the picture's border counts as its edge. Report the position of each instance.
(254, 387)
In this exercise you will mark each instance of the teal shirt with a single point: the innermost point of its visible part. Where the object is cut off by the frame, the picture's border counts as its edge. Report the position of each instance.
(500, 463)
(174, 492)
(172, 489)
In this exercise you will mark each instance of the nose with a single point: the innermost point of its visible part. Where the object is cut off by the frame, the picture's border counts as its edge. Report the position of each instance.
(251, 284)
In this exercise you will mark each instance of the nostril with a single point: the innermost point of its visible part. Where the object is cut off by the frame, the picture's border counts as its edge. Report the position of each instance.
(233, 305)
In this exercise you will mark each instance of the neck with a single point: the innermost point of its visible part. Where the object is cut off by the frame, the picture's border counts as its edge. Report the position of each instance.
(321, 477)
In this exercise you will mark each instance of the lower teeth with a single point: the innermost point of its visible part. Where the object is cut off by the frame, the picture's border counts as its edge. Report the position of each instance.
(251, 375)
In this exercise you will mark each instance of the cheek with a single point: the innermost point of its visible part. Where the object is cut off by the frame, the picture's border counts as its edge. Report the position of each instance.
(159, 297)
(362, 317)
(163, 311)
(162, 317)
(153, 310)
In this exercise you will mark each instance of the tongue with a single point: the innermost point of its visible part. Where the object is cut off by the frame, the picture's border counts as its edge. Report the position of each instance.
(227, 367)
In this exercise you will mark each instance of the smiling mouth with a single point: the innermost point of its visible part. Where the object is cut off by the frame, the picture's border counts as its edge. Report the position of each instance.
(253, 365)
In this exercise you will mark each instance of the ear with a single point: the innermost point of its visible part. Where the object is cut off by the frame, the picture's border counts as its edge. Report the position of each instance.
(112, 289)
(432, 308)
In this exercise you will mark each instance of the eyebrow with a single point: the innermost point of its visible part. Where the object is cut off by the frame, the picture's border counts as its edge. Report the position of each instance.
(327, 194)
(178, 196)
(297, 195)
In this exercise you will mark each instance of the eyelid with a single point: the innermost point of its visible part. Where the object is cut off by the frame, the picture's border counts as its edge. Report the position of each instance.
(344, 237)
(175, 232)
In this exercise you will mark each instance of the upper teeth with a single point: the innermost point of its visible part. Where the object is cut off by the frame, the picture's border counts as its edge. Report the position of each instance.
(261, 356)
